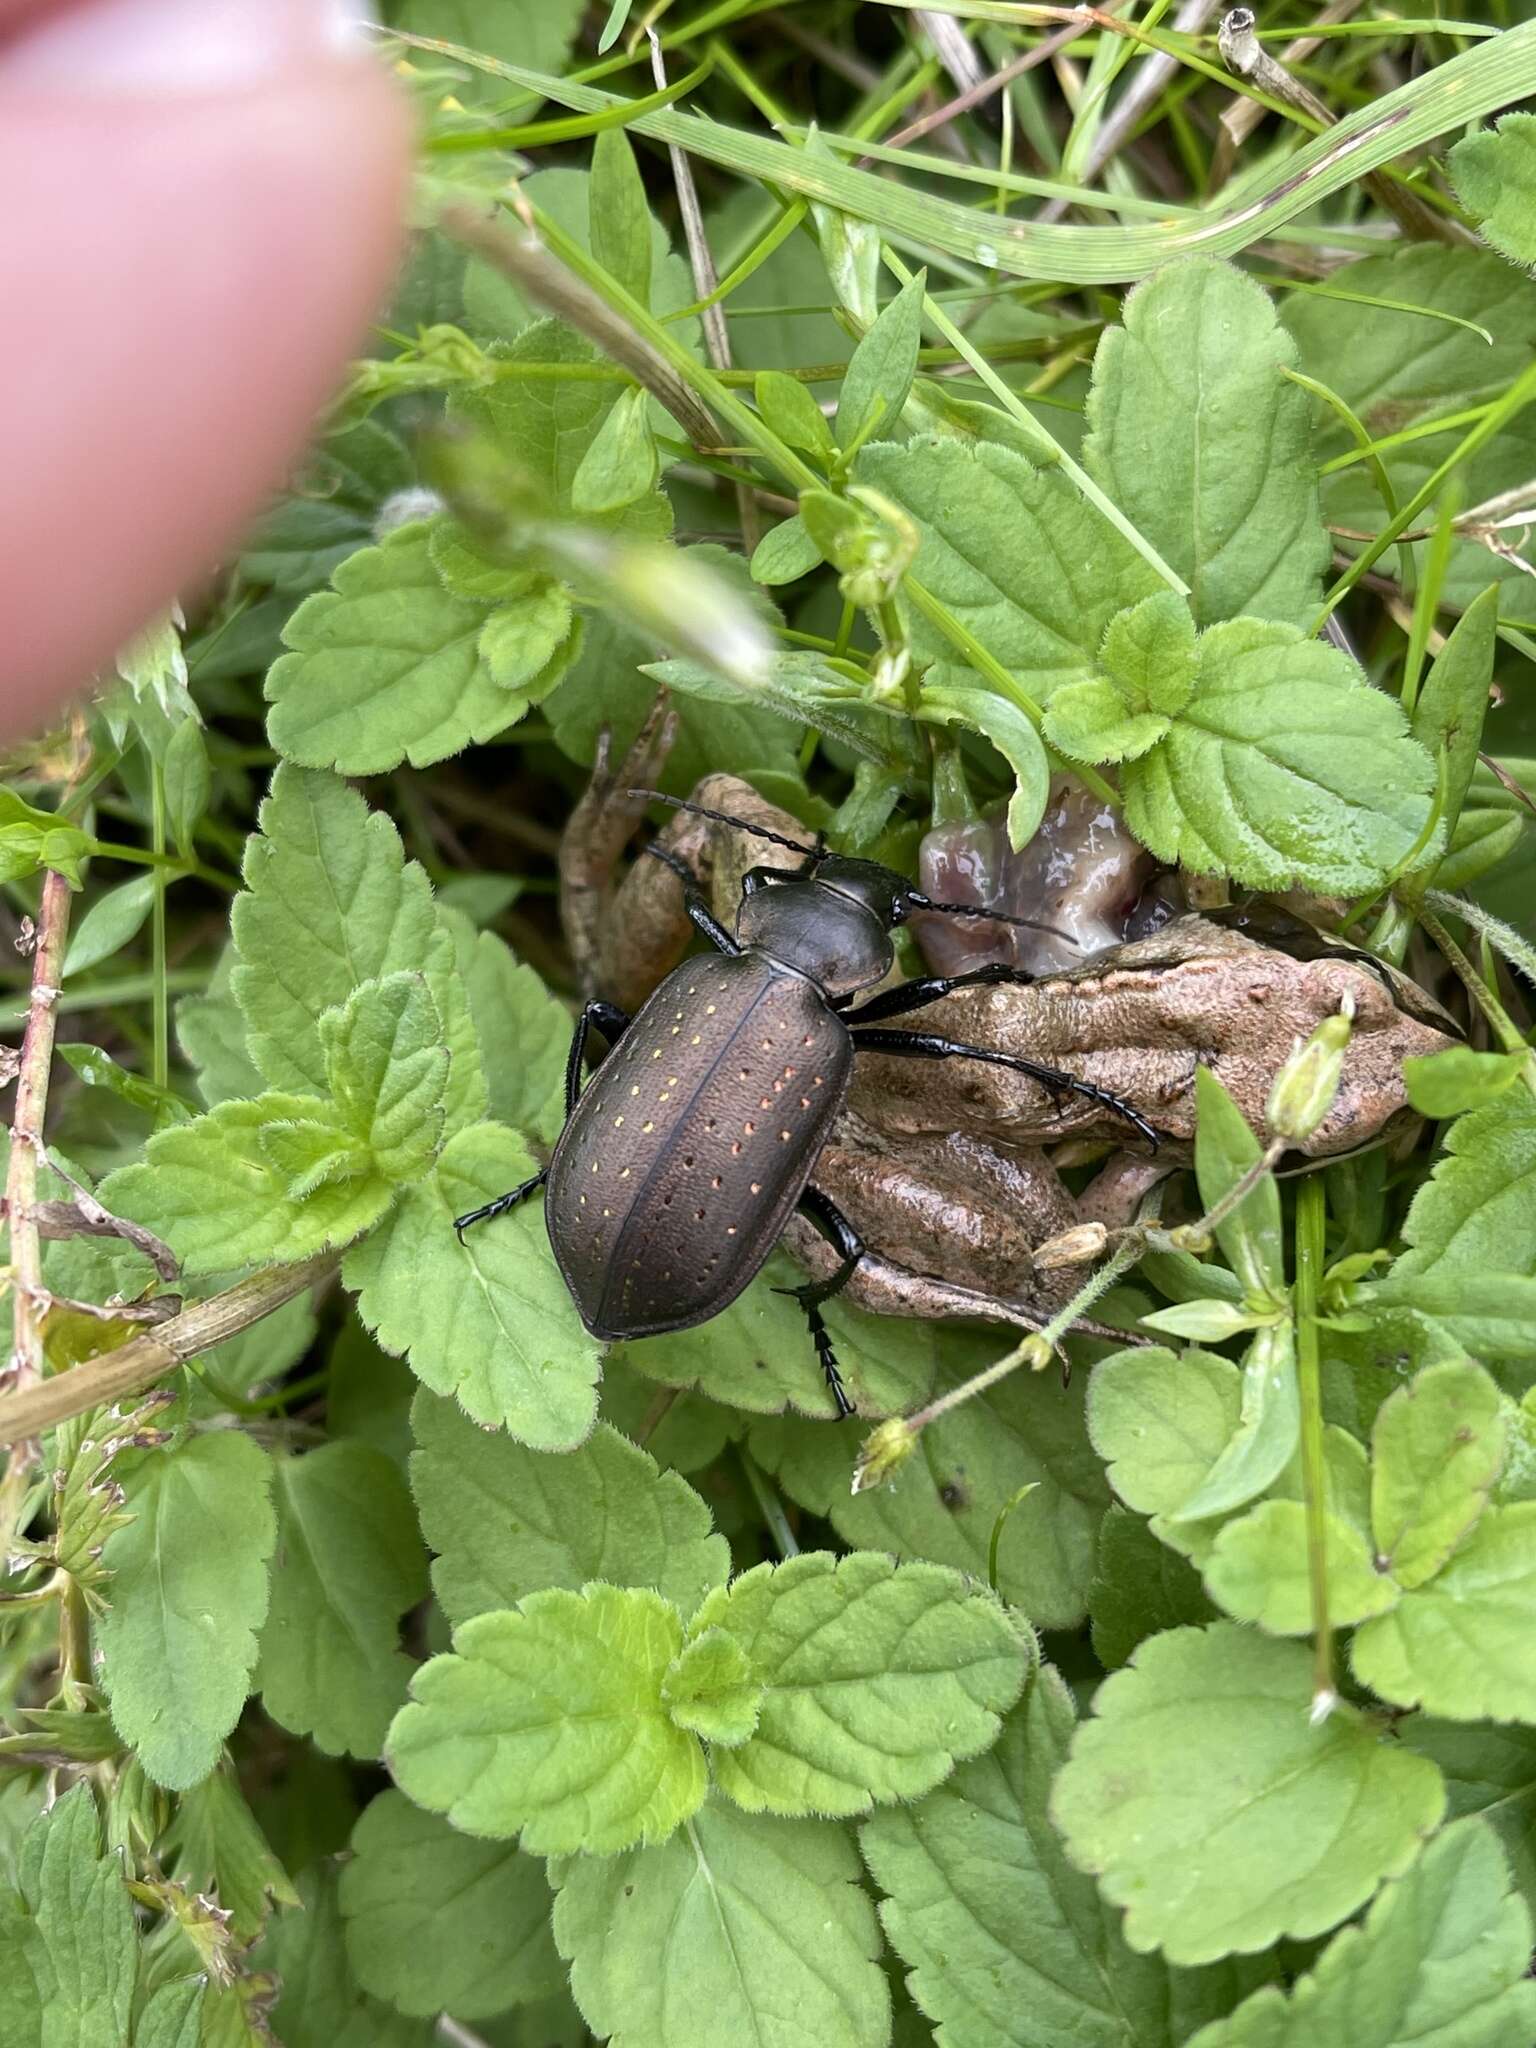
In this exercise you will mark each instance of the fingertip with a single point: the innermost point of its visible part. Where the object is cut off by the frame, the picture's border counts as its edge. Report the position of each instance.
(184, 289)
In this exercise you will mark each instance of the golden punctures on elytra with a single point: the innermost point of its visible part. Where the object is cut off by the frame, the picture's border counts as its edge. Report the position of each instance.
(757, 1187)
(656, 1055)
(748, 1128)
(675, 1029)
(696, 1040)
(648, 1127)
(730, 1230)
(636, 1089)
(623, 1175)
(617, 1121)
(784, 1137)
(709, 1009)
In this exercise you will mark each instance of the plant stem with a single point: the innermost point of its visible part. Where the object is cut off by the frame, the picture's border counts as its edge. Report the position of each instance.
(138, 1364)
(27, 1129)
(160, 1071)
(772, 1507)
(1310, 1252)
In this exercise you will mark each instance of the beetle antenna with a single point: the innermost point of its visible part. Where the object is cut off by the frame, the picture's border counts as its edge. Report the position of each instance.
(1028, 924)
(680, 803)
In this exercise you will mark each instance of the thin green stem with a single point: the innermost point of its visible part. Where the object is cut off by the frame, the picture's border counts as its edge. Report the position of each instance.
(1311, 1250)
(160, 1071)
(771, 1506)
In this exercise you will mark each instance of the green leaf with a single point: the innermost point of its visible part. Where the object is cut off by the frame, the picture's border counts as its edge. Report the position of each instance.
(1454, 701)
(1015, 553)
(538, 33)
(1437, 1447)
(349, 1563)
(1206, 447)
(711, 1691)
(437, 1921)
(385, 667)
(529, 641)
(875, 1679)
(1477, 1211)
(188, 782)
(1225, 1150)
(883, 365)
(220, 1189)
(222, 1853)
(1006, 1944)
(177, 2016)
(1285, 769)
(966, 703)
(1440, 1956)
(1161, 1420)
(1490, 1771)
(545, 426)
(331, 511)
(1494, 173)
(786, 552)
(321, 2003)
(331, 902)
(188, 1593)
(943, 1503)
(548, 1721)
(111, 922)
(211, 1032)
(68, 1952)
(490, 1320)
(622, 463)
(31, 839)
(1443, 1084)
(388, 1070)
(1258, 1569)
(788, 407)
(1461, 1644)
(758, 1356)
(524, 1035)
(506, 1520)
(741, 1928)
(619, 219)
(1141, 1587)
(1207, 1804)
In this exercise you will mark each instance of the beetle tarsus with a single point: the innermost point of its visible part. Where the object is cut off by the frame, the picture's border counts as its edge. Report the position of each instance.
(501, 1204)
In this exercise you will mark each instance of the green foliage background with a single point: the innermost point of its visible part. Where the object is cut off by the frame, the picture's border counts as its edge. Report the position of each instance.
(411, 1667)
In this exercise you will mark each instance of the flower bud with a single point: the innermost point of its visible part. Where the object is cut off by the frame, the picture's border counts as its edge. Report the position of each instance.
(1076, 1247)
(1306, 1085)
(885, 1451)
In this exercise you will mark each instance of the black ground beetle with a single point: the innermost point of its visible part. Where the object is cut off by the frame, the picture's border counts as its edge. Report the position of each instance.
(699, 1134)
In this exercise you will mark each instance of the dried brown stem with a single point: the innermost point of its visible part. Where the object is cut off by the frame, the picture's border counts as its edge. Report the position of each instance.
(27, 1132)
(139, 1363)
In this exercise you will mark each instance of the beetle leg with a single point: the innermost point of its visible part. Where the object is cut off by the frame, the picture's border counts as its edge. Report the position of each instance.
(926, 1045)
(929, 988)
(613, 1023)
(703, 917)
(501, 1204)
(834, 1226)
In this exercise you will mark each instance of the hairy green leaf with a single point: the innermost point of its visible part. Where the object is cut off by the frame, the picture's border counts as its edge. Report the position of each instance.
(1477, 1212)
(1490, 1771)
(524, 1035)
(1206, 447)
(1016, 553)
(437, 1921)
(1495, 174)
(1006, 1943)
(68, 1951)
(506, 1520)
(349, 1563)
(1284, 768)
(1440, 1956)
(388, 1070)
(1161, 1421)
(618, 216)
(222, 1853)
(1140, 1588)
(386, 666)
(188, 1593)
(271, 1180)
(548, 1721)
(1453, 704)
(741, 1928)
(1206, 1803)
(883, 365)
(1460, 1644)
(875, 1679)
(322, 2005)
(331, 511)
(710, 1690)
(331, 902)
(1437, 1447)
(1443, 1084)
(1258, 1569)
(961, 701)
(490, 1320)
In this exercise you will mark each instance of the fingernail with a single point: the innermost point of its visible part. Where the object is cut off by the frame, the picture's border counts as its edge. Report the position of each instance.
(135, 47)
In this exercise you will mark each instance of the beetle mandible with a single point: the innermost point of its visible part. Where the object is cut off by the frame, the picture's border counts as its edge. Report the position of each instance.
(698, 1136)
